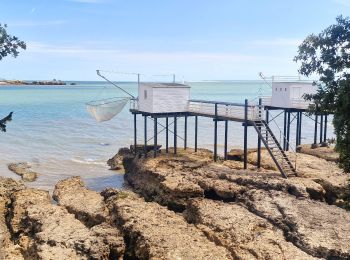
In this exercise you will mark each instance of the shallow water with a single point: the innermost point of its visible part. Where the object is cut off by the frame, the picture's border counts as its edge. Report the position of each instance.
(52, 130)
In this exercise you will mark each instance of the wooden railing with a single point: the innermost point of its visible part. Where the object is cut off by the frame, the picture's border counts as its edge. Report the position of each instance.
(224, 109)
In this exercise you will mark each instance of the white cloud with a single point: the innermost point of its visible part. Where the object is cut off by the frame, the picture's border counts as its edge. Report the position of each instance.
(343, 2)
(84, 52)
(278, 42)
(36, 23)
(33, 10)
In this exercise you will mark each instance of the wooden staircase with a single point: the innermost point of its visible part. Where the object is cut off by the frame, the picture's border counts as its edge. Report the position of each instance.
(282, 161)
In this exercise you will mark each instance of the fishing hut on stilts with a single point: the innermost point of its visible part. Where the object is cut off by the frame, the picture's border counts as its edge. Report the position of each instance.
(165, 103)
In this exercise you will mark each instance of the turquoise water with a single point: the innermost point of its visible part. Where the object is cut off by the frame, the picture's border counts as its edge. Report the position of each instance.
(52, 130)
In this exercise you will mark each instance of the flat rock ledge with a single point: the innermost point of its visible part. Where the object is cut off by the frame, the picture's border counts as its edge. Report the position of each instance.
(85, 224)
(24, 170)
(253, 214)
(33, 227)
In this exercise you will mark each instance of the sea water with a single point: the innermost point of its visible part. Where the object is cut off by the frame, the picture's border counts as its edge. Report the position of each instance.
(53, 132)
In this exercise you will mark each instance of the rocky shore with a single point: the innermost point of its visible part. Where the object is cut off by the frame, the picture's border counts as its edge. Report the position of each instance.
(40, 82)
(183, 207)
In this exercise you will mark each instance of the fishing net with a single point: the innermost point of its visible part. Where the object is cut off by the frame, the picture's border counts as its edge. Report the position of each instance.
(106, 109)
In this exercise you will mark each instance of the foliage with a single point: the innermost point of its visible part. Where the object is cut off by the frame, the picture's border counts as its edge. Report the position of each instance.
(9, 44)
(328, 55)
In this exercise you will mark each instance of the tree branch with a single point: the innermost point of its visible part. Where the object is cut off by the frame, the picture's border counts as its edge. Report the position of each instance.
(4, 121)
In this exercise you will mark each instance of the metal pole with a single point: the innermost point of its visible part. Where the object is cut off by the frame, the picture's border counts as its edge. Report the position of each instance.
(325, 128)
(174, 79)
(216, 133)
(259, 139)
(185, 134)
(321, 128)
(288, 131)
(155, 138)
(145, 135)
(135, 134)
(245, 133)
(267, 122)
(175, 134)
(225, 149)
(284, 130)
(297, 129)
(300, 120)
(167, 135)
(315, 133)
(195, 132)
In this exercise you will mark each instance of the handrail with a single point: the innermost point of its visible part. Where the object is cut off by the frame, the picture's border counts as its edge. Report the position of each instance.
(220, 103)
(289, 144)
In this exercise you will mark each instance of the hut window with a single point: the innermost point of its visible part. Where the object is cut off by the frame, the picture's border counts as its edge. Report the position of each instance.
(285, 89)
(280, 89)
(276, 89)
(145, 94)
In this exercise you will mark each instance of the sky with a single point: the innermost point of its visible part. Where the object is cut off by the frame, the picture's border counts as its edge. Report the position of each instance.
(195, 39)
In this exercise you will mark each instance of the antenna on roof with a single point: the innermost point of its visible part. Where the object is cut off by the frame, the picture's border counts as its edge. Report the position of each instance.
(261, 75)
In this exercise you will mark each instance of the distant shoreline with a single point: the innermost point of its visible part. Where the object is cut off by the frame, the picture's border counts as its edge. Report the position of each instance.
(33, 83)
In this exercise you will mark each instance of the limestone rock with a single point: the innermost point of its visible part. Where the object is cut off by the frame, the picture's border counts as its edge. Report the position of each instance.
(21, 200)
(8, 250)
(87, 205)
(319, 229)
(116, 162)
(324, 152)
(23, 169)
(171, 181)
(58, 233)
(244, 234)
(154, 232)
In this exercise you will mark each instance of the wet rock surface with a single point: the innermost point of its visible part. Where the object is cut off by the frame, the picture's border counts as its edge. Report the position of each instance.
(24, 170)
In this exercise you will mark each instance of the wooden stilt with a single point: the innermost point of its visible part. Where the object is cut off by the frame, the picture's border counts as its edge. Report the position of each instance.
(195, 133)
(167, 135)
(175, 135)
(155, 138)
(225, 148)
(135, 133)
(315, 132)
(300, 124)
(325, 128)
(288, 132)
(321, 128)
(267, 115)
(185, 134)
(284, 130)
(245, 134)
(297, 130)
(145, 136)
(216, 133)
(259, 139)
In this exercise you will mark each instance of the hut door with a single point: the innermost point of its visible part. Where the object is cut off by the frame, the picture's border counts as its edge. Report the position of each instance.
(296, 93)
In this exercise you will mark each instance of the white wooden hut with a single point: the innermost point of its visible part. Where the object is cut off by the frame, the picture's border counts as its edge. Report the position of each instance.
(163, 97)
(291, 94)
